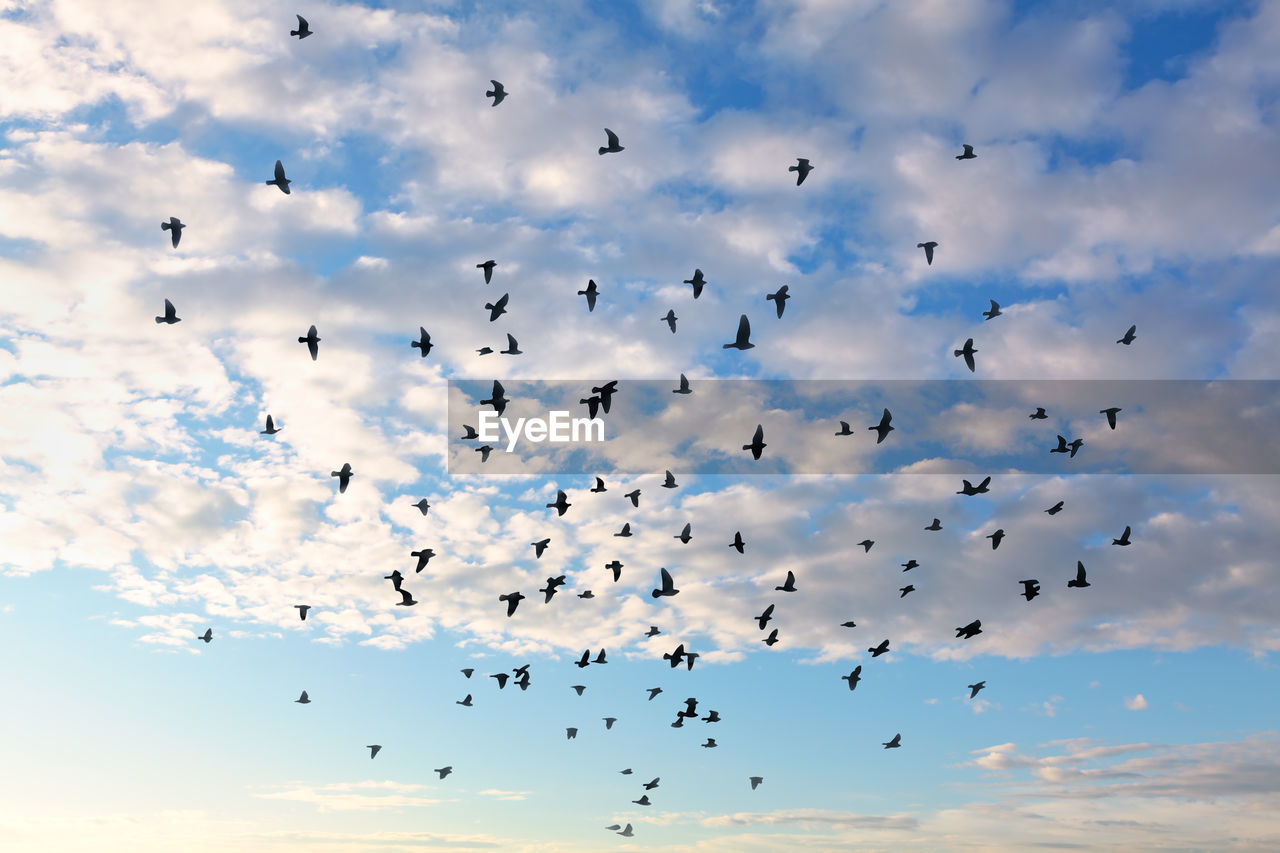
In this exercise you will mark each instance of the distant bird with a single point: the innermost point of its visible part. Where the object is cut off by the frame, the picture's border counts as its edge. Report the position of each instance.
(396, 579)
(467, 672)
(866, 545)
(280, 180)
(1129, 336)
(487, 266)
(1079, 582)
(674, 657)
(406, 599)
(895, 743)
(994, 311)
(497, 93)
(669, 481)
(771, 639)
(755, 781)
(1124, 538)
(906, 589)
(928, 250)
(789, 585)
(712, 717)
(643, 801)
(685, 534)
(498, 400)
(539, 547)
(883, 428)
(968, 153)
(591, 293)
(670, 319)
(561, 503)
(936, 525)
(710, 744)
(466, 703)
(608, 722)
(578, 688)
(802, 168)
(1038, 414)
(484, 450)
(584, 661)
(344, 475)
(780, 299)
(684, 386)
(312, 342)
(513, 600)
(849, 624)
(1062, 446)
(1074, 446)
(1056, 508)
(422, 506)
(586, 593)
(501, 678)
(653, 631)
(757, 444)
(424, 556)
(876, 651)
(497, 309)
(974, 688)
(996, 538)
(303, 30)
(485, 350)
(271, 427)
(970, 489)
(625, 530)
(909, 565)
(304, 699)
(423, 343)
(613, 147)
(1030, 588)
(697, 282)
(443, 771)
(845, 429)
(854, 677)
(653, 783)
(626, 832)
(763, 619)
(743, 339)
(969, 631)
(170, 315)
(514, 349)
(570, 734)
(1111, 415)
(634, 497)
(599, 486)
(653, 691)
(550, 589)
(374, 749)
(737, 542)
(668, 586)
(302, 611)
(207, 636)
(967, 353)
(174, 226)
(600, 657)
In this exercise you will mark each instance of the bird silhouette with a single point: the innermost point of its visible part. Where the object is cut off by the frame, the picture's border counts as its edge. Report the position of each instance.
(443, 771)
(466, 703)
(497, 400)
(423, 343)
(1056, 508)
(599, 486)
(802, 168)
(967, 353)
(643, 801)
(757, 444)
(550, 589)
(1124, 538)
(207, 636)
(970, 489)
(302, 611)
(608, 722)
(883, 428)
(653, 631)
(170, 315)
(772, 639)
(755, 781)
(484, 450)
(303, 30)
(936, 525)
(684, 386)
(487, 266)
(600, 657)
(344, 475)
(845, 429)
(626, 832)
(578, 688)
(422, 505)
(424, 556)
(406, 599)
(1030, 588)
(498, 93)
(396, 579)
(968, 153)
(501, 678)
(906, 589)
(1062, 446)
(466, 673)
(513, 600)
(280, 180)
(996, 538)
(928, 250)
(653, 691)
(591, 293)
(670, 319)
(586, 593)
(570, 733)
(539, 547)
(674, 657)
(593, 405)
(686, 534)
(174, 226)
(485, 350)
(909, 565)
(780, 298)
(514, 349)
(894, 743)
(763, 619)
(697, 282)
(1079, 581)
(312, 342)
(1038, 414)
(737, 542)
(876, 651)
(789, 585)
(304, 699)
(561, 503)
(743, 339)
(584, 661)
(668, 586)
(606, 392)
(669, 481)
(653, 783)
(849, 624)
(969, 631)
(712, 717)
(1111, 415)
(993, 312)
(854, 677)
(374, 749)
(613, 147)
(866, 545)
(497, 309)
(1129, 336)
(271, 429)
(974, 688)
(710, 744)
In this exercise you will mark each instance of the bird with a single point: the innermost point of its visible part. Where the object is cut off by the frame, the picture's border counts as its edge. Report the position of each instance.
(407, 599)
(906, 589)
(1111, 415)
(396, 579)
(513, 600)
(710, 744)
(883, 428)
(608, 722)
(606, 392)
(302, 611)
(653, 783)
(974, 688)
(312, 342)
(845, 429)
(422, 505)
(424, 556)
(271, 427)
(757, 444)
(443, 771)
(1124, 538)
(374, 749)
(591, 293)
(498, 400)
(643, 801)
(1074, 446)
(304, 699)
(1038, 414)
(876, 651)
(539, 547)
(344, 475)
(928, 250)
(207, 636)
(850, 624)
(802, 168)
(599, 486)
(970, 489)
(467, 672)
(994, 311)
(578, 688)
(780, 299)
(625, 530)
(280, 180)
(895, 743)
(570, 733)
(669, 481)
(487, 266)
(967, 353)
(550, 589)
(653, 631)
(600, 657)
(684, 386)
(626, 832)
(670, 319)
(755, 781)
(170, 315)
(690, 708)
(996, 538)
(686, 534)
(789, 585)
(514, 349)
(968, 153)
(673, 656)
(485, 350)
(909, 565)
(484, 450)
(1062, 446)
(561, 503)
(866, 545)
(1079, 581)
(1129, 336)
(501, 678)
(586, 593)
(466, 703)
(697, 282)
(763, 619)
(613, 147)
(1056, 508)
(634, 497)
(303, 30)
(174, 226)
(971, 630)
(668, 586)
(497, 93)
(737, 542)
(772, 639)
(1030, 588)
(497, 309)
(653, 691)
(854, 677)
(423, 343)
(584, 661)
(593, 405)
(742, 341)
(937, 525)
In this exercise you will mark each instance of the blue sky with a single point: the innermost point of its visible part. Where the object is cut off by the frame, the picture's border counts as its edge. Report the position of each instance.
(1125, 175)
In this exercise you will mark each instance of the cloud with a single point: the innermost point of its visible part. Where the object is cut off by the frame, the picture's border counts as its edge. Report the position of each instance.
(1136, 703)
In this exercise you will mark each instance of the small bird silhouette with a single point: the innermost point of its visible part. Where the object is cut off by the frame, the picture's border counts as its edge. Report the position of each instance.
(423, 343)
(626, 832)
(653, 631)
(344, 475)
(996, 538)
(1038, 414)
(485, 350)
(883, 428)
(174, 226)
(854, 677)
(1129, 336)
(498, 93)
(600, 657)
(643, 801)
(466, 673)
(743, 339)
(591, 293)
(550, 589)
(876, 651)
(466, 703)
(374, 749)
(424, 556)
(312, 341)
(170, 314)
(968, 153)
(909, 565)
(993, 312)
(967, 353)
(710, 744)
(599, 486)
(668, 586)
(684, 386)
(974, 688)
(669, 481)
(422, 506)
(487, 266)
(1079, 581)
(802, 168)
(406, 598)
(906, 589)
(928, 250)
(539, 547)
(484, 450)
(443, 771)
(757, 444)
(570, 733)
(613, 147)
(755, 781)
(1124, 538)
(302, 611)
(514, 349)
(849, 624)
(501, 678)
(737, 542)
(207, 636)
(280, 180)
(1056, 508)
(780, 298)
(653, 691)
(498, 400)
(303, 30)
(670, 319)
(271, 429)
(561, 503)
(1030, 588)
(497, 309)
(969, 631)
(763, 619)
(789, 585)
(396, 579)
(1111, 415)
(845, 429)
(513, 600)
(866, 545)
(697, 282)
(936, 525)
(895, 743)
(970, 489)
(578, 688)
(304, 699)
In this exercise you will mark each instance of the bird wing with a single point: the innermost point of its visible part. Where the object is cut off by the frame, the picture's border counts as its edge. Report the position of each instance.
(511, 342)
(744, 330)
(280, 166)
(613, 137)
(667, 582)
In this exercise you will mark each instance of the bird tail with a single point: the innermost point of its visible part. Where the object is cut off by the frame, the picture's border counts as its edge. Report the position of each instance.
(159, 319)
(164, 226)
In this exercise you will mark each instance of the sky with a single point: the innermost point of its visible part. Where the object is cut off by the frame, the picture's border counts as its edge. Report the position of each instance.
(1126, 175)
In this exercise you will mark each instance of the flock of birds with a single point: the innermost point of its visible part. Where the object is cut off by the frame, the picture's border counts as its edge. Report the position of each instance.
(599, 400)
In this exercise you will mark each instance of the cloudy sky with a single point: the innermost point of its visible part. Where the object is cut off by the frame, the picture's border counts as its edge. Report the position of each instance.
(1126, 174)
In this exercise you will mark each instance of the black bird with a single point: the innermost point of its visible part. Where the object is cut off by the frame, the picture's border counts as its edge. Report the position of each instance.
(698, 282)
(854, 677)
(1062, 446)
(684, 386)
(578, 688)
(1111, 415)
(1124, 538)
(763, 619)
(625, 531)
(514, 349)
(513, 600)
(675, 657)
(303, 30)
(634, 497)
(909, 565)
(484, 450)
(937, 525)
(608, 724)
(591, 293)
(304, 699)
(539, 547)
(994, 312)
(443, 771)
(466, 703)
(485, 350)
(649, 786)
(710, 744)
(1129, 336)
(280, 180)
(613, 147)
(928, 250)
(686, 534)
(1074, 446)
(424, 556)
(207, 636)
(780, 299)
(895, 743)
(970, 489)
(586, 593)
(550, 589)
(737, 542)
(571, 733)
(487, 266)
(1030, 588)
(968, 153)
(971, 630)
(866, 545)
(561, 503)
(374, 749)
(312, 342)
(497, 93)
(302, 611)
(344, 475)
(669, 481)
(600, 657)
(498, 400)
(423, 343)
(1056, 508)
(880, 649)
(789, 585)
(883, 428)
(755, 781)
(1038, 414)
(742, 341)
(712, 717)
(422, 506)
(670, 319)
(497, 309)
(668, 586)
(653, 691)
(690, 708)
(757, 444)
(802, 168)
(467, 672)
(599, 486)
(606, 392)
(406, 600)
(643, 801)
(995, 538)
(653, 631)
(502, 679)
(396, 579)
(1079, 582)
(170, 314)
(845, 429)
(271, 427)
(174, 226)
(974, 688)
(626, 832)
(593, 405)
(906, 589)
(584, 661)
(967, 353)
(849, 624)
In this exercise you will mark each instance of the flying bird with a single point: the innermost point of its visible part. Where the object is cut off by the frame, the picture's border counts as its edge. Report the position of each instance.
(561, 503)
(514, 349)
(466, 703)
(1074, 446)
(606, 392)
(974, 688)
(312, 342)
(909, 565)
(424, 556)
(996, 538)
(406, 599)
(653, 631)
(802, 168)
(845, 429)
(710, 744)
(174, 226)
(684, 386)
(789, 585)
(967, 353)
(539, 547)
(937, 525)
(608, 724)
(928, 250)
(763, 619)
(396, 579)
(883, 428)
(485, 350)
(653, 691)
(1111, 415)
(591, 293)
(302, 611)
(854, 677)
(970, 489)
(1030, 588)
(685, 534)
(866, 545)
(513, 600)
(780, 299)
(1129, 336)
(586, 593)
(626, 832)
(578, 688)
(849, 624)
(374, 749)
(670, 319)
(550, 589)
(443, 771)
(1124, 538)
(497, 309)
(344, 475)
(271, 427)
(737, 542)
(303, 30)
(755, 781)
(993, 312)
(876, 651)
(484, 450)
(571, 733)
(969, 631)
(280, 180)
(906, 589)
(487, 266)
(497, 93)
(653, 783)
(1079, 582)
(757, 444)
(599, 486)
(1056, 508)
(895, 743)
(968, 153)
(742, 341)
(170, 314)
(1038, 414)
(669, 481)
(207, 636)
(498, 400)
(613, 147)
(304, 699)
(697, 282)
(423, 343)
(422, 506)
(466, 673)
